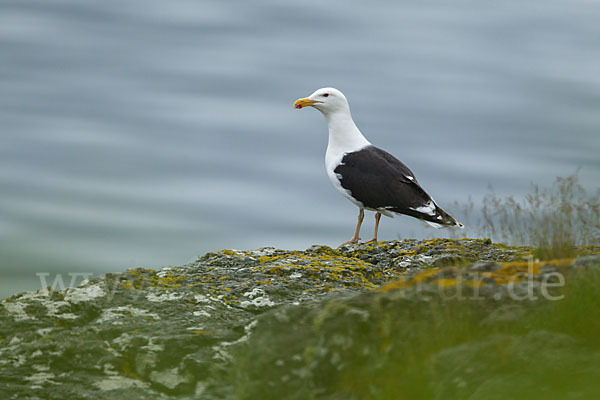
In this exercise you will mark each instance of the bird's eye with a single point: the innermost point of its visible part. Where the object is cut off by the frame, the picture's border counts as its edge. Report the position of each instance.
(326, 95)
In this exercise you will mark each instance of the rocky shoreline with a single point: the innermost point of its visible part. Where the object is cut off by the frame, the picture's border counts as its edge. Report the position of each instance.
(235, 319)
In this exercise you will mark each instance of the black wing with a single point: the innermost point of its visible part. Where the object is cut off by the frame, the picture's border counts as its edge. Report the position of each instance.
(381, 181)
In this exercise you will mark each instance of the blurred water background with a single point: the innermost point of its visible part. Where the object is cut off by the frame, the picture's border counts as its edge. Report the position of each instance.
(146, 133)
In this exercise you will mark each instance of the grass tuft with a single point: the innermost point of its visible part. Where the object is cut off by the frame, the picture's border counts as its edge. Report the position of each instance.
(554, 220)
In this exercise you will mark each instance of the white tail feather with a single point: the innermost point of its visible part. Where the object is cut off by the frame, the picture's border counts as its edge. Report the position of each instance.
(438, 226)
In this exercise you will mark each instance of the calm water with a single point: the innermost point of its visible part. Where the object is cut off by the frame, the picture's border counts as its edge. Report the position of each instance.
(146, 133)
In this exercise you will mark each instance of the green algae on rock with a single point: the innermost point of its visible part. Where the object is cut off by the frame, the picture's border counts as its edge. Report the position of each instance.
(181, 331)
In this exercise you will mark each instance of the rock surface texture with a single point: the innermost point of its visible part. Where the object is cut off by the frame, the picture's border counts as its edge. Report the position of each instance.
(268, 323)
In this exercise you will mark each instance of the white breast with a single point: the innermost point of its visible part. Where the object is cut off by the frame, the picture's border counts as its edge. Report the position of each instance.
(333, 158)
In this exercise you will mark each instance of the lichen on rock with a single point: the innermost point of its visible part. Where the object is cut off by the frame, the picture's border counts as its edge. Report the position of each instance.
(273, 317)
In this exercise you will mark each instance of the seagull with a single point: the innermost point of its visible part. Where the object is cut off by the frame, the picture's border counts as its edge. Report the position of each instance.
(368, 176)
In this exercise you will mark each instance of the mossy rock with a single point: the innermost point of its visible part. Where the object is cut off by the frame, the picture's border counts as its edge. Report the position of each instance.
(179, 332)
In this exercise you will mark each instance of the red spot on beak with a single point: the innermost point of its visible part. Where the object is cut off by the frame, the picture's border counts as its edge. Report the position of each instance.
(298, 106)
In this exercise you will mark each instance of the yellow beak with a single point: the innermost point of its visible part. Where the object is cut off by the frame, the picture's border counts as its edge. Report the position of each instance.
(305, 102)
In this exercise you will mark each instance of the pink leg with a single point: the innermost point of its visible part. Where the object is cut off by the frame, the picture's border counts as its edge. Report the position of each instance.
(377, 218)
(355, 238)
